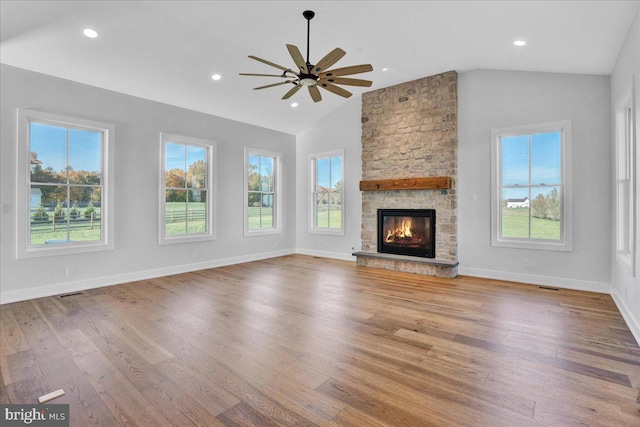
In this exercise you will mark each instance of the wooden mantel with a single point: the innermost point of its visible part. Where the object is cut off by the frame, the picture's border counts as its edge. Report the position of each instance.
(428, 183)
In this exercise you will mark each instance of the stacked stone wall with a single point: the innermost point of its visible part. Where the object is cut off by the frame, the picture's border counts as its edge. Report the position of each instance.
(408, 131)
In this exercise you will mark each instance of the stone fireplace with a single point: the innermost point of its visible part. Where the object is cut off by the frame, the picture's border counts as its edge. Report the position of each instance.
(409, 161)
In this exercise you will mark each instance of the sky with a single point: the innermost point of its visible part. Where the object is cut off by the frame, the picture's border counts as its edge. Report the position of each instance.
(50, 144)
(329, 171)
(175, 155)
(542, 152)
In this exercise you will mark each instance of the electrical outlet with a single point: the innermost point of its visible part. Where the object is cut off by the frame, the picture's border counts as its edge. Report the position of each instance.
(70, 271)
(196, 254)
(527, 265)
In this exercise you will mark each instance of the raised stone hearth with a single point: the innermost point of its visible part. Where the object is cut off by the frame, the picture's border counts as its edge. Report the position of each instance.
(409, 131)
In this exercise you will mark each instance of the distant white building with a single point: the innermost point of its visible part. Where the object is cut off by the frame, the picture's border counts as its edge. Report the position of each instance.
(36, 198)
(518, 203)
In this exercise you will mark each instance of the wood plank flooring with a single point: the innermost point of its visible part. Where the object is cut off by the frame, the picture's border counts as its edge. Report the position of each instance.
(300, 340)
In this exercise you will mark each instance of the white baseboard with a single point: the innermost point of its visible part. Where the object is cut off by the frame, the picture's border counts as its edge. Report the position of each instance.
(324, 254)
(81, 285)
(630, 320)
(558, 282)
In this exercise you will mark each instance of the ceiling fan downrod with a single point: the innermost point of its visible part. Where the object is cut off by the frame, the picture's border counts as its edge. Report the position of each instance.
(308, 15)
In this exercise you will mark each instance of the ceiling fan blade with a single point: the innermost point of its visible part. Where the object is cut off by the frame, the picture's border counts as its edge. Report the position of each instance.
(335, 89)
(272, 85)
(263, 75)
(297, 58)
(315, 93)
(346, 81)
(354, 69)
(329, 59)
(291, 92)
(264, 61)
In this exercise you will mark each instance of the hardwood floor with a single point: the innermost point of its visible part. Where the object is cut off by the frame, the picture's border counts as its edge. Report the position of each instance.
(300, 340)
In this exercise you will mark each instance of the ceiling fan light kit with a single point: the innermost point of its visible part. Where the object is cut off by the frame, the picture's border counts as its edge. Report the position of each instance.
(315, 76)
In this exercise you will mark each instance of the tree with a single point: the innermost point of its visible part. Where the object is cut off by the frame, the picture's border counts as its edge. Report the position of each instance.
(554, 208)
(40, 214)
(539, 207)
(58, 213)
(74, 213)
(89, 210)
(196, 175)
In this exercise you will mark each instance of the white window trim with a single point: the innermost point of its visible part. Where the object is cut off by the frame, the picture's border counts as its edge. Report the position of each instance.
(277, 205)
(23, 247)
(312, 163)
(212, 181)
(626, 228)
(565, 243)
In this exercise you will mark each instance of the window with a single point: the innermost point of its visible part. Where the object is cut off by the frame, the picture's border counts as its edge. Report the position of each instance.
(186, 195)
(531, 176)
(262, 201)
(64, 185)
(327, 200)
(625, 171)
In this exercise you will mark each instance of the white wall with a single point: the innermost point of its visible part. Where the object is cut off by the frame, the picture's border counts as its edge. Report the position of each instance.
(626, 287)
(339, 130)
(137, 254)
(500, 99)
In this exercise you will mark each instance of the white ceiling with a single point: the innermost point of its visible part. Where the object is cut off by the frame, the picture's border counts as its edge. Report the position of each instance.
(167, 50)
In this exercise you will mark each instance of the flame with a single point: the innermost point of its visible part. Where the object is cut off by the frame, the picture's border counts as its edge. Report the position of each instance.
(403, 231)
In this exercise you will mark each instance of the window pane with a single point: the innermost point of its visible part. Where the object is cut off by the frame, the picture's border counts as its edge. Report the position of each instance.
(175, 212)
(266, 174)
(174, 165)
(48, 215)
(545, 158)
(322, 210)
(85, 214)
(335, 210)
(336, 172)
(253, 169)
(197, 212)
(515, 160)
(515, 213)
(48, 149)
(196, 167)
(546, 213)
(266, 217)
(254, 212)
(322, 174)
(85, 157)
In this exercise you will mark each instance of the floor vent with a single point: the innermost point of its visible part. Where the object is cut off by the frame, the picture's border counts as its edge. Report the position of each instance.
(548, 288)
(70, 295)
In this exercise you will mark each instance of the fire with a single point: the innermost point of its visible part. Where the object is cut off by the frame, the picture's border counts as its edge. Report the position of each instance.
(404, 231)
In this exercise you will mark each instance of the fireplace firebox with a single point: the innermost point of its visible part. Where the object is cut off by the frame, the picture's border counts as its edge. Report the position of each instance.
(407, 232)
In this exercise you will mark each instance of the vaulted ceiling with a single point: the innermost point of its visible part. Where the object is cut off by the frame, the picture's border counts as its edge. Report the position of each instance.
(167, 51)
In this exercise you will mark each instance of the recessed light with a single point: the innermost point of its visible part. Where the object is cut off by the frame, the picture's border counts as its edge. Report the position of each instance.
(385, 69)
(520, 43)
(216, 77)
(91, 33)
(294, 104)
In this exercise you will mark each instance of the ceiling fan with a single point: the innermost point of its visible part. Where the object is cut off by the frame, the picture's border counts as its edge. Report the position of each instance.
(315, 76)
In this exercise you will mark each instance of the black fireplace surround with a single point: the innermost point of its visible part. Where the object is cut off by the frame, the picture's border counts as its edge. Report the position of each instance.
(407, 232)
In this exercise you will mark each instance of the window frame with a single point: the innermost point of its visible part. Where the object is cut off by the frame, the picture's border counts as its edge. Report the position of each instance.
(277, 196)
(565, 242)
(313, 161)
(24, 249)
(625, 176)
(211, 147)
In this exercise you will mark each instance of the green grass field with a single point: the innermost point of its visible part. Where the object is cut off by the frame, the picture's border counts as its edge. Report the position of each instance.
(330, 218)
(515, 224)
(179, 220)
